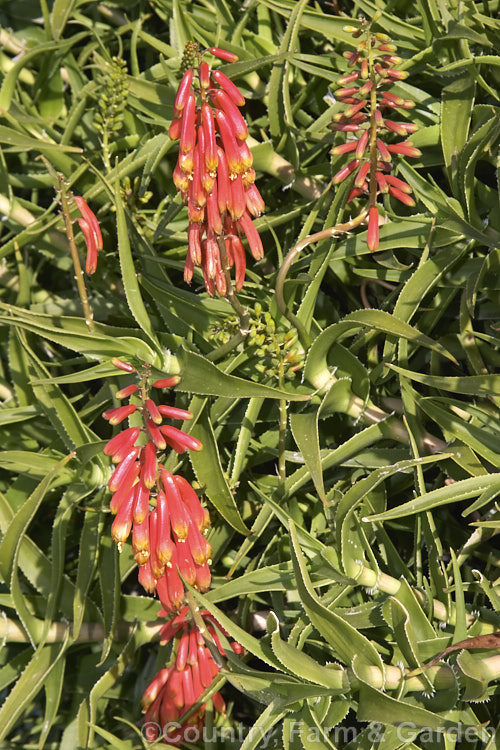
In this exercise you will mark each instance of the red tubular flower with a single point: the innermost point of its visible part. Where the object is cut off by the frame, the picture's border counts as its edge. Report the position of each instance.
(122, 524)
(126, 392)
(148, 473)
(362, 174)
(165, 547)
(343, 173)
(91, 233)
(121, 444)
(187, 136)
(397, 183)
(141, 503)
(140, 541)
(183, 90)
(400, 196)
(225, 103)
(156, 435)
(177, 509)
(125, 468)
(177, 689)
(214, 170)
(115, 416)
(247, 227)
(406, 148)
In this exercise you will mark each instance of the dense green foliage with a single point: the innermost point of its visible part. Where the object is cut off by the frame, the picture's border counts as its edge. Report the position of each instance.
(352, 483)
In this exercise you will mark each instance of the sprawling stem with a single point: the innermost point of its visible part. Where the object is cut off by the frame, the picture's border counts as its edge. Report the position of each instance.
(292, 254)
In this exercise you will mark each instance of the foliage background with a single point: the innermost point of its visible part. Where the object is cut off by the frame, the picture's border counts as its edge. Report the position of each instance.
(403, 419)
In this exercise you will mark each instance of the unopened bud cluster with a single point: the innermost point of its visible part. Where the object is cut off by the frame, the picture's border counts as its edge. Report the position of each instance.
(112, 98)
(176, 689)
(367, 119)
(167, 539)
(214, 172)
(279, 357)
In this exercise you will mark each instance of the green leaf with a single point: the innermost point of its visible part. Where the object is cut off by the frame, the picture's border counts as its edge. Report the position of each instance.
(472, 385)
(452, 493)
(303, 666)
(316, 368)
(249, 642)
(457, 105)
(483, 441)
(61, 12)
(18, 142)
(73, 333)
(106, 682)
(29, 684)
(109, 580)
(346, 641)
(280, 110)
(380, 707)
(202, 377)
(130, 282)
(305, 432)
(87, 563)
(207, 466)
(53, 686)
(9, 547)
(18, 414)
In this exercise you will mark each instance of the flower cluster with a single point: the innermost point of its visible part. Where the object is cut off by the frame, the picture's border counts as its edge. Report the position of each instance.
(214, 172)
(176, 689)
(367, 119)
(91, 232)
(169, 538)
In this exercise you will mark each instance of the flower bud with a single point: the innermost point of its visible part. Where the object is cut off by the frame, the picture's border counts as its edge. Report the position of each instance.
(223, 54)
(184, 90)
(170, 382)
(345, 172)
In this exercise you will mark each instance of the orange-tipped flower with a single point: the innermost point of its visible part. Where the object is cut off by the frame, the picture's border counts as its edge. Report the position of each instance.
(148, 473)
(121, 444)
(228, 86)
(115, 416)
(187, 136)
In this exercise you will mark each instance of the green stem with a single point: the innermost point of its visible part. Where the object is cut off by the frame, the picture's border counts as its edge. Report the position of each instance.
(292, 254)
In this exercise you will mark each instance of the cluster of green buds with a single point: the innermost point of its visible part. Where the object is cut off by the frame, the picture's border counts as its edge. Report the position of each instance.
(367, 122)
(276, 348)
(221, 333)
(112, 98)
(113, 94)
